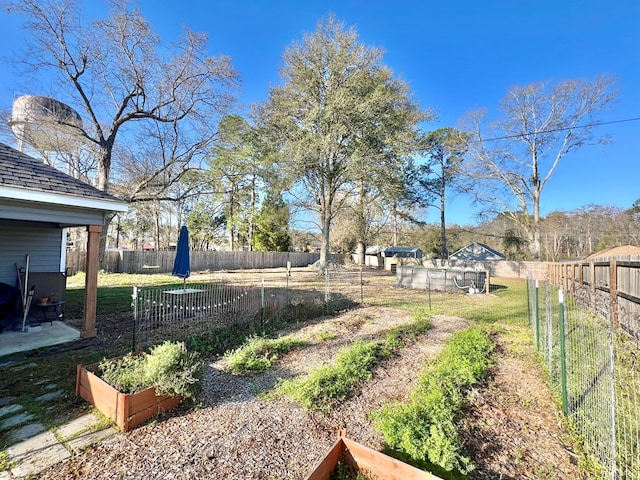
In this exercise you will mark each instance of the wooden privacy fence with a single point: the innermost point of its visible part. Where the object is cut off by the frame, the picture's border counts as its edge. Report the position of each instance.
(135, 261)
(613, 284)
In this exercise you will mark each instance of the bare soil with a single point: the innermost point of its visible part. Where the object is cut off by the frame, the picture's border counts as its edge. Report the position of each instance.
(510, 429)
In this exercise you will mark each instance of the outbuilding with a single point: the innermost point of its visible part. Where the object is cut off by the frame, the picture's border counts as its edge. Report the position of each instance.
(394, 256)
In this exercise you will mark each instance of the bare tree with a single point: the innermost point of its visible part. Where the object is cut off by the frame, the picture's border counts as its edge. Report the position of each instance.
(512, 159)
(116, 72)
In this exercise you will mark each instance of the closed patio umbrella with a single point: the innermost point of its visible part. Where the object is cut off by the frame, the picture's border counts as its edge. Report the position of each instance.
(182, 263)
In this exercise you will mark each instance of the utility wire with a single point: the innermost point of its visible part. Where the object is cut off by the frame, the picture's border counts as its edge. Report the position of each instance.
(551, 130)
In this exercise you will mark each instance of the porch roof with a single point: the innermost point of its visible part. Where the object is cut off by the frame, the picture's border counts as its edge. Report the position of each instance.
(25, 178)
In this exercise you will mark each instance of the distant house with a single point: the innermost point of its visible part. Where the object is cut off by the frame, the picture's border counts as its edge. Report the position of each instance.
(477, 252)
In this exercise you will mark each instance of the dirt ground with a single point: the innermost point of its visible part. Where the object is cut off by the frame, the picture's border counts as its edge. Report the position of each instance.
(510, 430)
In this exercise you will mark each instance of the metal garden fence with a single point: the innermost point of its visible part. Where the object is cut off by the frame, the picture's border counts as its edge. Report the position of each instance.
(217, 309)
(595, 365)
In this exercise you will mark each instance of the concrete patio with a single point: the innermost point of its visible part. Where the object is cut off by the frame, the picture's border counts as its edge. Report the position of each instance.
(45, 335)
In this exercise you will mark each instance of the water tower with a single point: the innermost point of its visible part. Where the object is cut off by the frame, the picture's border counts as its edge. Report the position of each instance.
(46, 124)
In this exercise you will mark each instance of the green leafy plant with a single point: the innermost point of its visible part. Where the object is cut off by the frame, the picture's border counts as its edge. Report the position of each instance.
(259, 353)
(425, 429)
(5, 464)
(324, 335)
(329, 384)
(344, 471)
(169, 367)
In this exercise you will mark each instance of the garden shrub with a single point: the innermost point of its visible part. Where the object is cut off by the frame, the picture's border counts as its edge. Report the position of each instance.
(169, 367)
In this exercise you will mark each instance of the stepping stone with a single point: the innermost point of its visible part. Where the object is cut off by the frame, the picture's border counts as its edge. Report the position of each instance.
(7, 400)
(7, 363)
(77, 425)
(49, 396)
(6, 410)
(25, 432)
(16, 420)
(48, 386)
(36, 454)
(88, 439)
(24, 366)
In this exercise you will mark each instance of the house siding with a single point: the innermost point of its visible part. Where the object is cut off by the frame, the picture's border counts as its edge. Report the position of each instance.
(42, 243)
(64, 216)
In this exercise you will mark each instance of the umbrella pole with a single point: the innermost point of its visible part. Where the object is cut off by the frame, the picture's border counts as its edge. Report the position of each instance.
(184, 283)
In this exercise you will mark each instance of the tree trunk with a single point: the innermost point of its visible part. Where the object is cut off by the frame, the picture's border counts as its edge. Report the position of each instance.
(394, 221)
(360, 252)
(252, 214)
(230, 228)
(536, 225)
(325, 222)
(444, 253)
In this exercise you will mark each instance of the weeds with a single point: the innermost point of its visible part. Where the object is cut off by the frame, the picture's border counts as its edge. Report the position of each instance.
(425, 429)
(259, 353)
(325, 336)
(327, 385)
(344, 471)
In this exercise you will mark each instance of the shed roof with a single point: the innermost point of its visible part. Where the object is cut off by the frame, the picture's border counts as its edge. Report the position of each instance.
(414, 252)
(25, 178)
(620, 251)
(477, 251)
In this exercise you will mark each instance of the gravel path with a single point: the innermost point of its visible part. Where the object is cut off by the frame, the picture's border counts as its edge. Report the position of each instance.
(237, 434)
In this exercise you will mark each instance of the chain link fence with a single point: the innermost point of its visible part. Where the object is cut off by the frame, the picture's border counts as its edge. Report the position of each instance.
(220, 309)
(595, 365)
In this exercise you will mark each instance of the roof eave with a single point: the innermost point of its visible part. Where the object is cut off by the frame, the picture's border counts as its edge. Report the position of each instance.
(54, 198)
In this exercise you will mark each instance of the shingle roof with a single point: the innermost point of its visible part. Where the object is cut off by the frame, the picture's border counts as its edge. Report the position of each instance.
(18, 170)
(477, 251)
(620, 251)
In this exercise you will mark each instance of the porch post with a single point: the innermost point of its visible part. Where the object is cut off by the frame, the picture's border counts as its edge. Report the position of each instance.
(91, 282)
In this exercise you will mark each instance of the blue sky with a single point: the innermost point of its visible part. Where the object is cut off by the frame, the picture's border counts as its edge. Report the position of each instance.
(455, 55)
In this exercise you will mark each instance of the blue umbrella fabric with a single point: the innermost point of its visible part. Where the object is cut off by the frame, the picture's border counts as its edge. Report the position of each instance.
(182, 263)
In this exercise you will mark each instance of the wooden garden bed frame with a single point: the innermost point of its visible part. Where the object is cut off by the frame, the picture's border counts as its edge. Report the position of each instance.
(126, 410)
(363, 459)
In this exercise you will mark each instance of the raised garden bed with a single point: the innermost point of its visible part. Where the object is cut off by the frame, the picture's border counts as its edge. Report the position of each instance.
(126, 410)
(371, 463)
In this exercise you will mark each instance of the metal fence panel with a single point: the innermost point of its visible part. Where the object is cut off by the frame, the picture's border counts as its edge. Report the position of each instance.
(601, 382)
(223, 308)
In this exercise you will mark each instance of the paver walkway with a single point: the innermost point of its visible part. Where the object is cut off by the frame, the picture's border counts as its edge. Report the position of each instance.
(33, 449)
(40, 449)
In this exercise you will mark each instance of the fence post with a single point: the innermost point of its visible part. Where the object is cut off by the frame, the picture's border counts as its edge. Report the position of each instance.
(134, 300)
(614, 428)
(326, 290)
(563, 354)
(613, 290)
(429, 286)
(537, 306)
(528, 301)
(262, 306)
